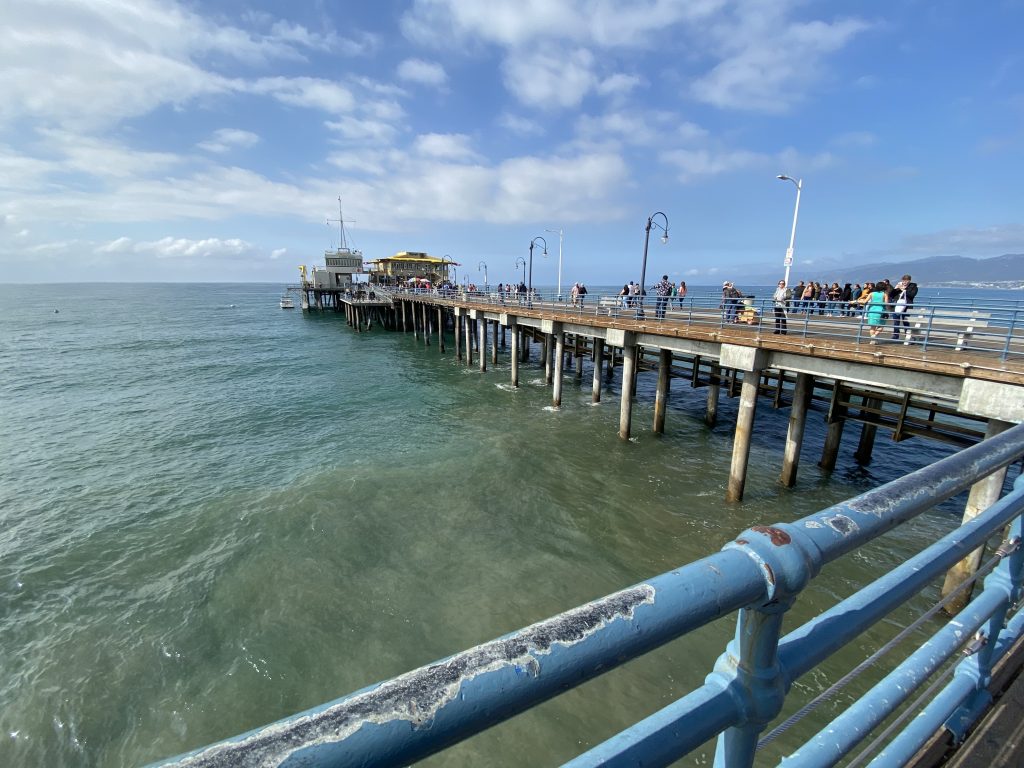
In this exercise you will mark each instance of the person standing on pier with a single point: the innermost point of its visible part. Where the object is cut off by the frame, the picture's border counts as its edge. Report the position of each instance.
(663, 289)
(874, 310)
(779, 299)
(681, 293)
(902, 298)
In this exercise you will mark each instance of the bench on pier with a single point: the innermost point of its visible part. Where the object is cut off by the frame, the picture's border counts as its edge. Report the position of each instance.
(940, 324)
(608, 305)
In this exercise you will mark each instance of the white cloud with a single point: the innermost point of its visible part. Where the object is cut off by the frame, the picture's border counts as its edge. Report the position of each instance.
(422, 72)
(696, 163)
(362, 130)
(450, 146)
(226, 139)
(519, 23)
(619, 85)
(181, 248)
(760, 57)
(521, 126)
(768, 60)
(314, 93)
(550, 80)
(83, 64)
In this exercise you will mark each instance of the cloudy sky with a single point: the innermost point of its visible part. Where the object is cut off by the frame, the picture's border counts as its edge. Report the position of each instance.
(210, 141)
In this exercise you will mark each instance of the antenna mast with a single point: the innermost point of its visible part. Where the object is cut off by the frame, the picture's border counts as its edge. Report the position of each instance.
(341, 227)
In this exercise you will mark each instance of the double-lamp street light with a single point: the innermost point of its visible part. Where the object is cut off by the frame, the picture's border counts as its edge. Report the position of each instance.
(792, 235)
(483, 266)
(647, 238)
(521, 262)
(529, 280)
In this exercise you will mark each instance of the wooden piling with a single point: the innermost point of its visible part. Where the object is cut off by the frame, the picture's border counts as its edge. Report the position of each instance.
(482, 325)
(866, 444)
(556, 390)
(744, 430)
(626, 401)
(595, 396)
(983, 495)
(494, 343)
(440, 329)
(661, 392)
(469, 339)
(714, 391)
(797, 425)
(514, 330)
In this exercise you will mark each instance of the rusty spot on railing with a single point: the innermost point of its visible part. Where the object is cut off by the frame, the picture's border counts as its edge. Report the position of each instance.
(778, 537)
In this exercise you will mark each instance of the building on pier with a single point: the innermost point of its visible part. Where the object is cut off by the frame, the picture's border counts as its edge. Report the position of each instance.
(406, 266)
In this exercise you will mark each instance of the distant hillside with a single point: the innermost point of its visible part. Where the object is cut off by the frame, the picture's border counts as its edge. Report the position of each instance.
(934, 270)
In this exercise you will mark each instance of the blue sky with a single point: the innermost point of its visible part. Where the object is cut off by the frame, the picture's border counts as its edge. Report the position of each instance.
(164, 141)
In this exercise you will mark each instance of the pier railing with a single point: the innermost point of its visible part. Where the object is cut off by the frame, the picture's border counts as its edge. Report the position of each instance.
(995, 329)
(760, 575)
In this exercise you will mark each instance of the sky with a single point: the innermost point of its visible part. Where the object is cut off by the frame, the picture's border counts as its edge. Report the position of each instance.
(154, 140)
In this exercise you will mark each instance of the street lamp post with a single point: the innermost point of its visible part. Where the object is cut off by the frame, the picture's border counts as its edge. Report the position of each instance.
(799, 183)
(521, 262)
(647, 238)
(560, 235)
(529, 280)
(483, 266)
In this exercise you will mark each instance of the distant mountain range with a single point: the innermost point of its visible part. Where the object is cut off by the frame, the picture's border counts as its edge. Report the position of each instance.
(1006, 270)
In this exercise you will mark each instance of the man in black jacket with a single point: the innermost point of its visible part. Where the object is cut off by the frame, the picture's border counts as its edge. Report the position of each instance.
(901, 297)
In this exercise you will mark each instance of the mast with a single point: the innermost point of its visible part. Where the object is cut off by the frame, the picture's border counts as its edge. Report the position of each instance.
(343, 246)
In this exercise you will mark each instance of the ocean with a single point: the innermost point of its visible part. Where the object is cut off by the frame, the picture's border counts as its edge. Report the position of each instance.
(215, 513)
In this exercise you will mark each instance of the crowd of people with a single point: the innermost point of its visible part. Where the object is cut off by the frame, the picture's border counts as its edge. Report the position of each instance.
(877, 301)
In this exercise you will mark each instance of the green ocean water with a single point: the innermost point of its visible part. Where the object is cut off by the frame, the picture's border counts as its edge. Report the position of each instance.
(215, 513)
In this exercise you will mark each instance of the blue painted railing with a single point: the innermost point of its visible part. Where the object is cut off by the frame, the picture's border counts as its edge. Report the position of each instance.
(760, 574)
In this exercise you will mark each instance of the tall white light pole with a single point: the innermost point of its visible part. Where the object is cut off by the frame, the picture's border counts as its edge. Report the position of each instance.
(559, 233)
(792, 235)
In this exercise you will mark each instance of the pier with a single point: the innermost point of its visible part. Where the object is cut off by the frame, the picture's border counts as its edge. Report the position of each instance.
(958, 377)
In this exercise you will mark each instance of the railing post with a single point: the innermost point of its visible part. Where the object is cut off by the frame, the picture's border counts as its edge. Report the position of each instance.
(750, 665)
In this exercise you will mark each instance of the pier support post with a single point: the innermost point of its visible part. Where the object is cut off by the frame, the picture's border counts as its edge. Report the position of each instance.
(628, 342)
(867, 434)
(457, 323)
(547, 357)
(983, 495)
(836, 420)
(556, 391)
(415, 323)
(494, 343)
(830, 451)
(578, 347)
(482, 348)
(426, 327)
(469, 338)
(797, 424)
(595, 396)
(514, 331)
(714, 392)
(440, 329)
(661, 393)
(404, 328)
(751, 362)
(525, 337)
